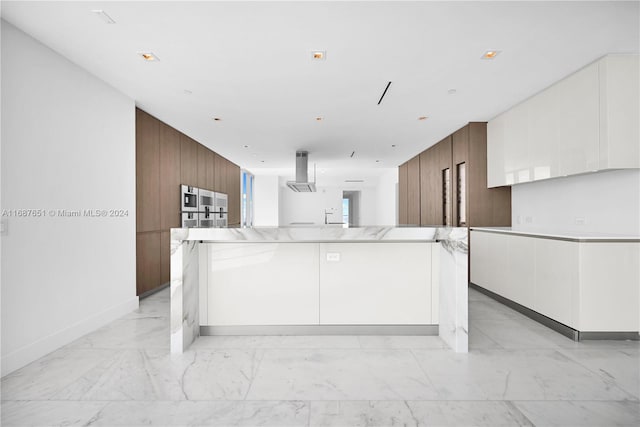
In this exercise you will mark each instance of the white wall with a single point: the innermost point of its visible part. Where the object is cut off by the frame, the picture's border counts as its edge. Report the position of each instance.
(387, 198)
(265, 200)
(605, 202)
(68, 142)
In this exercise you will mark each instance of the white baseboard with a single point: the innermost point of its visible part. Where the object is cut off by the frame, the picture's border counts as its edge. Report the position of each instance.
(27, 354)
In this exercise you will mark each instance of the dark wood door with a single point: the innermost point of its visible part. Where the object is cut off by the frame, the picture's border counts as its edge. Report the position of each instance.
(220, 174)
(202, 166)
(211, 167)
(169, 177)
(165, 257)
(147, 172)
(460, 177)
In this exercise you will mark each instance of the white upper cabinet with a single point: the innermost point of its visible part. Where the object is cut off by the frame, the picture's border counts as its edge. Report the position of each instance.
(586, 122)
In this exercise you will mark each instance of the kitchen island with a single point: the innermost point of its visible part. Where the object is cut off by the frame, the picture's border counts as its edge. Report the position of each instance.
(319, 280)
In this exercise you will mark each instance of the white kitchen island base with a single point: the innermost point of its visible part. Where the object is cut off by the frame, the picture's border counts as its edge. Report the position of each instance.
(370, 280)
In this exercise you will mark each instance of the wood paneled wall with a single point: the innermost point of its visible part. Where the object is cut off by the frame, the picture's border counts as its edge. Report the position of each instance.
(165, 159)
(421, 197)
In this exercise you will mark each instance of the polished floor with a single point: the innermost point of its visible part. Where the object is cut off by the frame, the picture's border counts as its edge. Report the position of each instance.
(517, 373)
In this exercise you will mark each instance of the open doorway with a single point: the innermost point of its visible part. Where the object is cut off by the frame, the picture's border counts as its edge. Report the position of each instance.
(351, 208)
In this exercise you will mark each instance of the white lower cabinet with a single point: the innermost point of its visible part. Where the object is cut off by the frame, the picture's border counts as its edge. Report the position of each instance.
(262, 284)
(375, 283)
(252, 284)
(589, 286)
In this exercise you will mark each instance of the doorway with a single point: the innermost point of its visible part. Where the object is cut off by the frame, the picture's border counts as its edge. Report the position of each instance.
(351, 208)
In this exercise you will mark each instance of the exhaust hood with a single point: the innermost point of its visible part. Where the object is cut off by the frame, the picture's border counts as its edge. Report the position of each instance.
(302, 184)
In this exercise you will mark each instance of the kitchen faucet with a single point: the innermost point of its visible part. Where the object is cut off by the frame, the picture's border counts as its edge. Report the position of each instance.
(325, 216)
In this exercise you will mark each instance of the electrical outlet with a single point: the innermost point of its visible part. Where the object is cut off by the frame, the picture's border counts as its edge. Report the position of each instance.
(333, 256)
(528, 219)
(519, 219)
(579, 220)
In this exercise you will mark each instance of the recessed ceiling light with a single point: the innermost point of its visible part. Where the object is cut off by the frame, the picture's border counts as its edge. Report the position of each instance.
(452, 91)
(318, 55)
(148, 56)
(103, 15)
(261, 161)
(319, 118)
(245, 146)
(217, 119)
(490, 54)
(422, 118)
(377, 161)
(187, 92)
(393, 145)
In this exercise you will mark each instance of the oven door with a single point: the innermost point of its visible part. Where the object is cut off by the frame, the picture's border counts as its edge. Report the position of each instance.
(188, 199)
(189, 219)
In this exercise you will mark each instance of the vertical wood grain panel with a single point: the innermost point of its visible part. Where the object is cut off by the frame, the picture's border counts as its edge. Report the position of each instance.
(210, 174)
(426, 187)
(444, 159)
(147, 172)
(460, 153)
(188, 161)
(201, 153)
(165, 257)
(147, 261)
(233, 191)
(220, 174)
(413, 191)
(169, 177)
(402, 193)
(486, 206)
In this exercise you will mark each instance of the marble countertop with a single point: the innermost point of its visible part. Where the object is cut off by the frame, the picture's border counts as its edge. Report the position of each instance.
(321, 234)
(568, 235)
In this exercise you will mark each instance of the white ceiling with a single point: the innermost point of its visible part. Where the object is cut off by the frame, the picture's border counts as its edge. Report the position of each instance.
(249, 63)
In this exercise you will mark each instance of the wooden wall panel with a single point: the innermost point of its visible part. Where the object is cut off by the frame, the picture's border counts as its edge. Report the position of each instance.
(188, 161)
(413, 191)
(147, 172)
(147, 261)
(211, 167)
(233, 191)
(169, 177)
(165, 257)
(486, 206)
(402, 193)
(202, 166)
(460, 153)
(220, 174)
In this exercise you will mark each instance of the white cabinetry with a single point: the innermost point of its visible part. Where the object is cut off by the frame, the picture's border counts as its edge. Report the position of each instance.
(588, 121)
(590, 286)
(375, 283)
(262, 284)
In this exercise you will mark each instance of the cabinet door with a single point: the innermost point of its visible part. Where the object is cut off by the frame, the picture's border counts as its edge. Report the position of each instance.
(520, 268)
(188, 161)
(233, 191)
(202, 166)
(556, 279)
(262, 284)
(459, 177)
(170, 177)
(402, 193)
(487, 261)
(413, 191)
(220, 174)
(147, 172)
(496, 168)
(577, 100)
(147, 261)
(375, 284)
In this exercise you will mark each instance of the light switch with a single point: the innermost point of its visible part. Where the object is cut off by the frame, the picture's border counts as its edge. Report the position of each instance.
(333, 256)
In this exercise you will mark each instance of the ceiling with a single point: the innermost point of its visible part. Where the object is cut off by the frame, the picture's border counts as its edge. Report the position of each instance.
(250, 64)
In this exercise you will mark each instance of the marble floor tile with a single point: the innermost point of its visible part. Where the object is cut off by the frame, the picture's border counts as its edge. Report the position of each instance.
(47, 376)
(622, 366)
(143, 332)
(398, 341)
(479, 340)
(340, 375)
(491, 310)
(204, 413)
(585, 413)
(278, 341)
(521, 333)
(515, 375)
(48, 413)
(415, 413)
